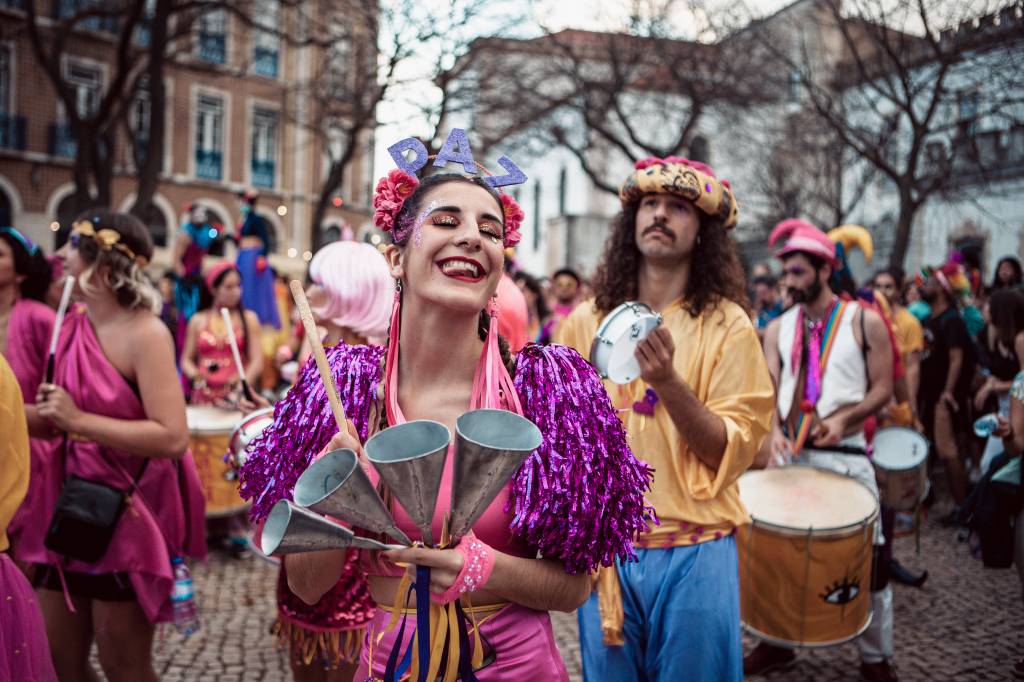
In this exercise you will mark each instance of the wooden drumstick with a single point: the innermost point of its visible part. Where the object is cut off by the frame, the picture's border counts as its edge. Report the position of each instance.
(233, 342)
(318, 353)
(62, 309)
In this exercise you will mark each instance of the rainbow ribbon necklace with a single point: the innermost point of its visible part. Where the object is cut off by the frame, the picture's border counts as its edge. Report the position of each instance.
(822, 338)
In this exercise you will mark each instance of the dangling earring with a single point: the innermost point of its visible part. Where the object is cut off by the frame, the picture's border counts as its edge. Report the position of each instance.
(698, 239)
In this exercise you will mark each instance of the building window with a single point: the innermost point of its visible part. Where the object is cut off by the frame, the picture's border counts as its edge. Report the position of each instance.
(12, 128)
(209, 137)
(85, 81)
(967, 105)
(67, 9)
(144, 29)
(264, 147)
(266, 42)
(139, 123)
(213, 34)
(795, 86)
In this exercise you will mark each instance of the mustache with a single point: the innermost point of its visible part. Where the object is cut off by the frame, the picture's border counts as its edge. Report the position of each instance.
(659, 227)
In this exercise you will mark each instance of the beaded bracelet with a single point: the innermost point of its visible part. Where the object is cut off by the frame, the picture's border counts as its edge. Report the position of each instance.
(477, 565)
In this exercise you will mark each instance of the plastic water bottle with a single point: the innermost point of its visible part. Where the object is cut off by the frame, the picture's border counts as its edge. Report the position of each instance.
(984, 426)
(186, 615)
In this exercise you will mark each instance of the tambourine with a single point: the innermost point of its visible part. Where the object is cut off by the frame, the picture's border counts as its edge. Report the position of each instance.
(613, 353)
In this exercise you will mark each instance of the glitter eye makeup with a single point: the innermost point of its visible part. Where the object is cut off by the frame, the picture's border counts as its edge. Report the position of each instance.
(446, 220)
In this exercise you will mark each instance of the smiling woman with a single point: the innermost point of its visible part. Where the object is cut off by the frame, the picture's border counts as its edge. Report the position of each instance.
(577, 501)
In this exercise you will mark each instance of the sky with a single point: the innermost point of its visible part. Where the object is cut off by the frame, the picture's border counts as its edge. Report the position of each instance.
(398, 120)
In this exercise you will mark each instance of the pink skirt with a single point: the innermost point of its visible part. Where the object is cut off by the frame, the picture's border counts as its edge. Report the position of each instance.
(518, 644)
(24, 652)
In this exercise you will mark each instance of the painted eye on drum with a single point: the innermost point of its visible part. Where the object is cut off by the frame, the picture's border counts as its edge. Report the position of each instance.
(842, 592)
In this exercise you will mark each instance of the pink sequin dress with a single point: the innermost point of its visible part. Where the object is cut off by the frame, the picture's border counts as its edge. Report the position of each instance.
(218, 376)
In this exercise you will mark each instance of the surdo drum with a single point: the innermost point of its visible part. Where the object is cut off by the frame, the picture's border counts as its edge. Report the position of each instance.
(210, 431)
(614, 348)
(901, 467)
(805, 561)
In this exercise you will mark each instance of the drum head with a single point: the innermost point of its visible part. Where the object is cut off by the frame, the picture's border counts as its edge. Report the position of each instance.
(798, 499)
(209, 419)
(614, 349)
(898, 448)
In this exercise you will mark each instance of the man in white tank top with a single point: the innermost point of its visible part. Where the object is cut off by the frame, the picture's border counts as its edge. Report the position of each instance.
(831, 361)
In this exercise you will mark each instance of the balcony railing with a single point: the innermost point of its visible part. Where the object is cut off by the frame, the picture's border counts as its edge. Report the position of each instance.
(263, 172)
(62, 142)
(12, 132)
(213, 47)
(208, 164)
(265, 62)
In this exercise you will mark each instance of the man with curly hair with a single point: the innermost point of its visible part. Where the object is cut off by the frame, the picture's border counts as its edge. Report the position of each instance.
(697, 414)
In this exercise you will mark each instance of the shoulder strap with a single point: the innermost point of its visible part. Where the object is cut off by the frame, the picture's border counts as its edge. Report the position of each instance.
(864, 345)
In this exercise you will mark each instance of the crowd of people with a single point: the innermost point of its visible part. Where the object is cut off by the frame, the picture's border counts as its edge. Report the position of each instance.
(631, 511)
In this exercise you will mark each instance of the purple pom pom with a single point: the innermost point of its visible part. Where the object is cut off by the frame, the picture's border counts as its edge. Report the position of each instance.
(580, 496)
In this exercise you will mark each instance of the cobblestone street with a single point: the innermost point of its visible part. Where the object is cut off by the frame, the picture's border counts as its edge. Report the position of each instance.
(965, 625)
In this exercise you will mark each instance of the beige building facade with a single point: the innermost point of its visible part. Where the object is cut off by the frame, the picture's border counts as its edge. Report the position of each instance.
(233, 123)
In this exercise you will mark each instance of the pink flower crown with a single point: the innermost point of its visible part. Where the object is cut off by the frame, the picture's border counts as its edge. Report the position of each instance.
(394, 188)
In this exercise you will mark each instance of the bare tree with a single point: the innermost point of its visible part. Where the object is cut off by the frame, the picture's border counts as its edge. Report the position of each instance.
(644, 90)
(91, 124)
(399, 53)
(148, 37)
(889, 82)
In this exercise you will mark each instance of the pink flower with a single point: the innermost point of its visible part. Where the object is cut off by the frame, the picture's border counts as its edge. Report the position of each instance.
(389, 196)
(513, 220)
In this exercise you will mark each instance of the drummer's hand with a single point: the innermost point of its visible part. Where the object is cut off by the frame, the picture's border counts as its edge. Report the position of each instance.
(655, 357)
(781, 449)
(949, 401)
(829, 431)
(257, 402)
(56, 405)
(1004, 429)
(444, 564)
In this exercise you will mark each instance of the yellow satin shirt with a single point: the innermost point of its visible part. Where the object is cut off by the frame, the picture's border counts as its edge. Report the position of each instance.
(719, 357)
(13, 449)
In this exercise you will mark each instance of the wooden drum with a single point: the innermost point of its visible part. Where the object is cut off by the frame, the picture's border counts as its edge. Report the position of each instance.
(805, 561)
(209, 433)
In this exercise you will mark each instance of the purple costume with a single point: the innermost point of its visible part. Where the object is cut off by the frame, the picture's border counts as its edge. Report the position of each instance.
(579, 498)
(165, 517)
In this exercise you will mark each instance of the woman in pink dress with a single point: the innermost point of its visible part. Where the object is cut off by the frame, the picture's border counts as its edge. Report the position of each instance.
(576, 502)
(26, 323)
(206, 358)
(117, 402)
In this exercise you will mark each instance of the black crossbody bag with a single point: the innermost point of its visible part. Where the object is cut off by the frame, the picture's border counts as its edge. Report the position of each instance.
(86, 516)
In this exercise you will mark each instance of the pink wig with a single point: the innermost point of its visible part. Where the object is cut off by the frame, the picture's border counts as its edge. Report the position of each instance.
(358, 285)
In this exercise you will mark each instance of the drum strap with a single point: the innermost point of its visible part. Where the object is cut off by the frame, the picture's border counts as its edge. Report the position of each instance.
(828, 337)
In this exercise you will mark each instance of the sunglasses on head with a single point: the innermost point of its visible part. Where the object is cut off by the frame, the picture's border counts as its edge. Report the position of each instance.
(29, 245)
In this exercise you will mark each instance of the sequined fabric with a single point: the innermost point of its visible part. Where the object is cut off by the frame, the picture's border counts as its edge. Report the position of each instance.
(580, 496)
(303, 424)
